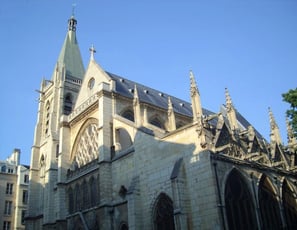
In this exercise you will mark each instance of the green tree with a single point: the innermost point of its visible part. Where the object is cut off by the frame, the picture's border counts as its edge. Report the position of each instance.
(291, 98)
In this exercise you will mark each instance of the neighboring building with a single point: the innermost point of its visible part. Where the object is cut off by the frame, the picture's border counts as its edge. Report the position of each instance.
(14, 183)
(110, 153)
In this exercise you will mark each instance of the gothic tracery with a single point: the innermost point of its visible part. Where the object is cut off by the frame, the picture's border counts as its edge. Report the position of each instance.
(87, 146)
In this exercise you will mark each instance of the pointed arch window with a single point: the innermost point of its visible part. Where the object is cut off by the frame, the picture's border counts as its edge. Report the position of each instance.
(85, 193)
(70, 200)
(68, 102)
(128, 114)
(156, 122)
(239, 204)
(77, 198)
(123, 226)
(47, 118)
(163, 213)
(269, 208)
(93, 191)
(290, 206)
(86, 145)
(180, 124)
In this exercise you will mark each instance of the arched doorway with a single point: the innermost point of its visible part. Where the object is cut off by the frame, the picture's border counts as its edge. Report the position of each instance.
(163, 213)
(239, 204)
(269, 208)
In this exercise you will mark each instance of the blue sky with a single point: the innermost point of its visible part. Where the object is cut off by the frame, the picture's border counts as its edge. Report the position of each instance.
(250, 47)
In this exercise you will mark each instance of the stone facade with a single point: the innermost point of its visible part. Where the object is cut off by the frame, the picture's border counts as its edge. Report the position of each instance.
(110, 153)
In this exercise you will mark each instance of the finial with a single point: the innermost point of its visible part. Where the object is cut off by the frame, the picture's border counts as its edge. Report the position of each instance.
(92, 51)
(289, 130)
(272, 121)
(170, 106)
(135, 92)
(228, 99)
(193, 86)
(274, 131)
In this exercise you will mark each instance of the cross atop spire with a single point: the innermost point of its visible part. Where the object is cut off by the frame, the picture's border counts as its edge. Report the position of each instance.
(73, 8)
(92, 51)
(72, 21)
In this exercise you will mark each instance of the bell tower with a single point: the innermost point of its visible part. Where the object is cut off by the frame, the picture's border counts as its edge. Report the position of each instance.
(56, 97)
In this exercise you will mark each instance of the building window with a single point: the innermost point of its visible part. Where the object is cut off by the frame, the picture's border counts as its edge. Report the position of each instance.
(163, 213)
(9, 188)
(91, 83)
(48, 107)
(26, 178)
(3, 168)
(68, 104)
(77, 197)
(128, 114)
(70, 201)
(269, 204)
(25, 196)
(10, 170)
(93, 191)
(6, 225)
(239, 204)
(23, 216)
(156, 122)
(85, 194)
(8, 206)
(123, 226)
(57, 150)
(289, 203)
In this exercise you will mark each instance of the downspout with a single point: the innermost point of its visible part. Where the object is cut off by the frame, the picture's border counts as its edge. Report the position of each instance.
(220, 205)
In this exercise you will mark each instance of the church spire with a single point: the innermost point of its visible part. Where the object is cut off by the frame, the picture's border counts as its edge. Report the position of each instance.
(70, 58)
(274, 130)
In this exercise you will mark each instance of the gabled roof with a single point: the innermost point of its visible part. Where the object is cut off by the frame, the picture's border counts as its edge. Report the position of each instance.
(151, 96)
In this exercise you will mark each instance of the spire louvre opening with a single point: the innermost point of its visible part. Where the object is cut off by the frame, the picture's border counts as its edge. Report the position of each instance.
(72, 24)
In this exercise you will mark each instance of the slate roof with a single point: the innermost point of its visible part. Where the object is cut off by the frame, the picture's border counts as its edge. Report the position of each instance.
(125, 87)
(151, 96)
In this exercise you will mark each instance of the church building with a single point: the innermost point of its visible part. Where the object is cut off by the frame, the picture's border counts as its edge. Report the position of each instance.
(110, 153)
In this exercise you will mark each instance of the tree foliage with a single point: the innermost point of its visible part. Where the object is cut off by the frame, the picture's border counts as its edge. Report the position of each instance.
(291, 98)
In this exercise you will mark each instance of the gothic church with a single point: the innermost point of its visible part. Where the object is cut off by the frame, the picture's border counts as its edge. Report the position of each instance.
(110, 153)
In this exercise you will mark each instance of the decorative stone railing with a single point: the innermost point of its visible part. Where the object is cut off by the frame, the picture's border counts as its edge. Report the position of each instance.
(83, 106)
(82, 170)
